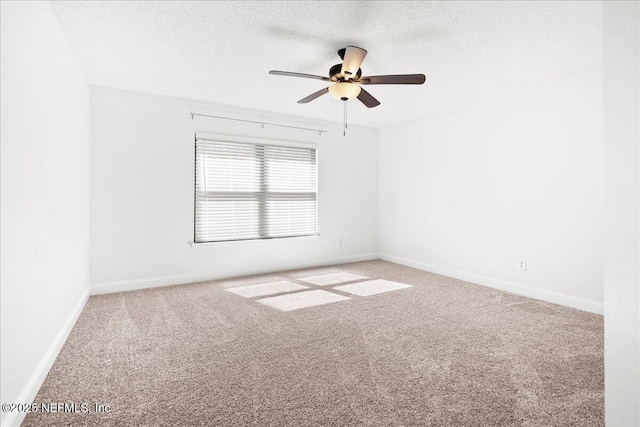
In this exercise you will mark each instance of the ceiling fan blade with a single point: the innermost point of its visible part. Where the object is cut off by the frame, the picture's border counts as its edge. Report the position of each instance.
(368, 100)
(313, 96)
(353, 57)
(306, 76)
(398, 79)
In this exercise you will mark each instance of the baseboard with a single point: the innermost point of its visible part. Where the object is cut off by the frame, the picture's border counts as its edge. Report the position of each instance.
(30, 391)
(516, 288)
(155, 282)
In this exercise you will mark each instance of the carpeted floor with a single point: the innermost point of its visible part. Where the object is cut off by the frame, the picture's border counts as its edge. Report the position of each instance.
(440, 353)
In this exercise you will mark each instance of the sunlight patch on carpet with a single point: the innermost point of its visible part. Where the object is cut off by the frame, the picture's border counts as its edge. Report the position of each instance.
(332, 278)
(371, 287)
(263, 289)
(299, 300)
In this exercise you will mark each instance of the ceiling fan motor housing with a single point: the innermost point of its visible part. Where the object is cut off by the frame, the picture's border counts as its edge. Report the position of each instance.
(335, 74)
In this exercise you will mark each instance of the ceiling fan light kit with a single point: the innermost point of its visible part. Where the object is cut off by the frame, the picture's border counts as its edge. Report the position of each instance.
(344, 90)
(347, 78)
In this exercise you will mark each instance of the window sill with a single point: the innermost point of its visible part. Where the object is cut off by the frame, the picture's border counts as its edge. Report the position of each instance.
(195, 245)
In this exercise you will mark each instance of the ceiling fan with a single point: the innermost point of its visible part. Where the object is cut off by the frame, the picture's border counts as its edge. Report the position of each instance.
(347, 79)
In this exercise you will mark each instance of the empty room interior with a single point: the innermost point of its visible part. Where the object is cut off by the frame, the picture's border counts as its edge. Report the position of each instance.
(320, 213)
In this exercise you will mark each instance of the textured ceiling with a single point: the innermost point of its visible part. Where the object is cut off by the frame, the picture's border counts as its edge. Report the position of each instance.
(222, 51)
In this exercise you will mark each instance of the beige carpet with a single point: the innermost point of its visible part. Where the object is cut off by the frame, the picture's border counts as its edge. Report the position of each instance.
(440, 353)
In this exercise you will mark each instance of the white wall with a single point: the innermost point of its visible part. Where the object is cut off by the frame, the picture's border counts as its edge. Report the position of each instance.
(470, 192)
(622, 245)
(142, 165)
(44, 195)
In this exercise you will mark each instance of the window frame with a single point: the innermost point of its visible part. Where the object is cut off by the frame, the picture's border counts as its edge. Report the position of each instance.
(252, 141)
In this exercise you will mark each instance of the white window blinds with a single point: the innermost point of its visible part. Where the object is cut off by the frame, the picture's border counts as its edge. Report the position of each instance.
(254, 191)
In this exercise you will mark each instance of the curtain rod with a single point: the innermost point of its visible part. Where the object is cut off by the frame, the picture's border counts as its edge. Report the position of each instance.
(320, 131)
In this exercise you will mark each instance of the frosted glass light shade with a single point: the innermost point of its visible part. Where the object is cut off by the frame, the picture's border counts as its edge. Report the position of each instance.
(344, 90)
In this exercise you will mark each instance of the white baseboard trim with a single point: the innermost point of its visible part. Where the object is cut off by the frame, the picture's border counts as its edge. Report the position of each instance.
(30, 390)
(516, 288)
(155, 282)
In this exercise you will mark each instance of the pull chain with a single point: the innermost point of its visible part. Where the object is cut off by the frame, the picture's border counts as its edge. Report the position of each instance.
(344, 130)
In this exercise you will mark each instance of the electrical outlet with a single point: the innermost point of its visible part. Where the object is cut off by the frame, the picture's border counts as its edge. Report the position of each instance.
(522, 265)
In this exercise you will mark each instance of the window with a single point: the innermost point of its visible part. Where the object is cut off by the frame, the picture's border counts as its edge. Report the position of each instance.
(254, 191)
